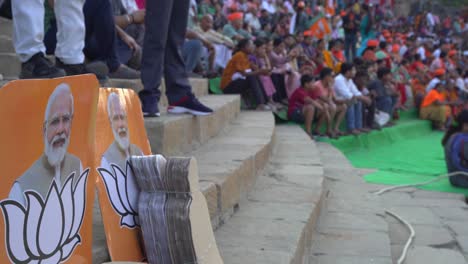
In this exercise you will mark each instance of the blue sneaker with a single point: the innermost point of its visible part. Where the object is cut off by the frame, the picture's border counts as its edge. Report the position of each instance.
(149, 105)
(154, 113)
(191, 105)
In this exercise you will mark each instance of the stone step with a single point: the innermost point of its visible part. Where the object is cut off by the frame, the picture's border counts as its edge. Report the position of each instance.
(229, 164)
(10, 65)
(226, 169)
(6, 27)
(199, 88)
(276, 221)
(351, 227)
(6, 45)
(178, 134)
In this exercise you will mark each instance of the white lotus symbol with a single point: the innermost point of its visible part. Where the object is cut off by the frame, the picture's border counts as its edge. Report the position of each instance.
(46, 232)
(122, 191)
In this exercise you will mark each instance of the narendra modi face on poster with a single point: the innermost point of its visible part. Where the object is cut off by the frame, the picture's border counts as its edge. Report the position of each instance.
(56, 164)
(120, 134)
(116, 173)
(45, 193)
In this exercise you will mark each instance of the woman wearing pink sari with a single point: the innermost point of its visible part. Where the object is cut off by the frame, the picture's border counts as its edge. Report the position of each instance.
(283, 70)
(261, 60)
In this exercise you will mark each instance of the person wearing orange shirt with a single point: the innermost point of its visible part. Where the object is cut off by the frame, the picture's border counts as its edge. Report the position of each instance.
(239, 78)
(334, 57)
(436, 108)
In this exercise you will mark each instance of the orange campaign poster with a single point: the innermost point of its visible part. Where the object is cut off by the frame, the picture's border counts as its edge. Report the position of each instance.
(47, 156)
(120, 133)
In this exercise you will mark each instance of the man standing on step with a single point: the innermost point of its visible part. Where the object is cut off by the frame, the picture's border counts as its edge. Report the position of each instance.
(28, 36)
(166, 25)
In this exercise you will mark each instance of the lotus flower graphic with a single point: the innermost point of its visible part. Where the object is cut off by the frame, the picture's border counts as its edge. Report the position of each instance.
(46, 231)
(122, 191)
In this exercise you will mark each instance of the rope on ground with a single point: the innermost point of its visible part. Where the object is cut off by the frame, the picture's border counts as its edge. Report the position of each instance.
(443, 176)
(408, 225)
(410, 239)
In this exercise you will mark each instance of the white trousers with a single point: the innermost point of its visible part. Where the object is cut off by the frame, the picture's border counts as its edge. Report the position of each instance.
(28, 29)
(223, 56)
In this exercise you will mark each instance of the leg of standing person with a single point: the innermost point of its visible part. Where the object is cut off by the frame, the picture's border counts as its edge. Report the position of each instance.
(178, 89)
(28, 36)
(5, 9)
(71, 40)
(70, 31)
(166, 25)
(157, 19)
(100, 40)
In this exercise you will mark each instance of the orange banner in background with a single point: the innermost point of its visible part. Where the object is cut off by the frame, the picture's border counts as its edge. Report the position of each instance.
(47, 160)
(120, 133)
(321, 28)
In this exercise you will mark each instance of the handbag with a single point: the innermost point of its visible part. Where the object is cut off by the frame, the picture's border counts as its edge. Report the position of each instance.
(381, 118)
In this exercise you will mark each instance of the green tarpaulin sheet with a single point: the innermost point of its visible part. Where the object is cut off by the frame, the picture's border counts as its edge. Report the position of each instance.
(407, 153)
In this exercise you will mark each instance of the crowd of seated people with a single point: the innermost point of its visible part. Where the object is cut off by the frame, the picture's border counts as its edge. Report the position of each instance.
(396, 67)
(350, 62)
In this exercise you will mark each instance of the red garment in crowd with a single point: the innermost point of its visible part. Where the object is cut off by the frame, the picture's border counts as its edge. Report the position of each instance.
(141, 4)
(319, 69)
(402, 90)
(415, 66)
(297, 100)
(339, 54)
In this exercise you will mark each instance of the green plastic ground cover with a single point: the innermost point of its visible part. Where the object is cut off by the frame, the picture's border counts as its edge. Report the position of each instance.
(214, 86)
(407, 153)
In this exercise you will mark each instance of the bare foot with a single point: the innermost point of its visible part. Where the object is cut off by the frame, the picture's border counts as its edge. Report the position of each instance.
(338, 132)
(332, 135)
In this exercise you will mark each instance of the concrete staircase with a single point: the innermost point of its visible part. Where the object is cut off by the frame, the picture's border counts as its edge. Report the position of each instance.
(263, 184)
